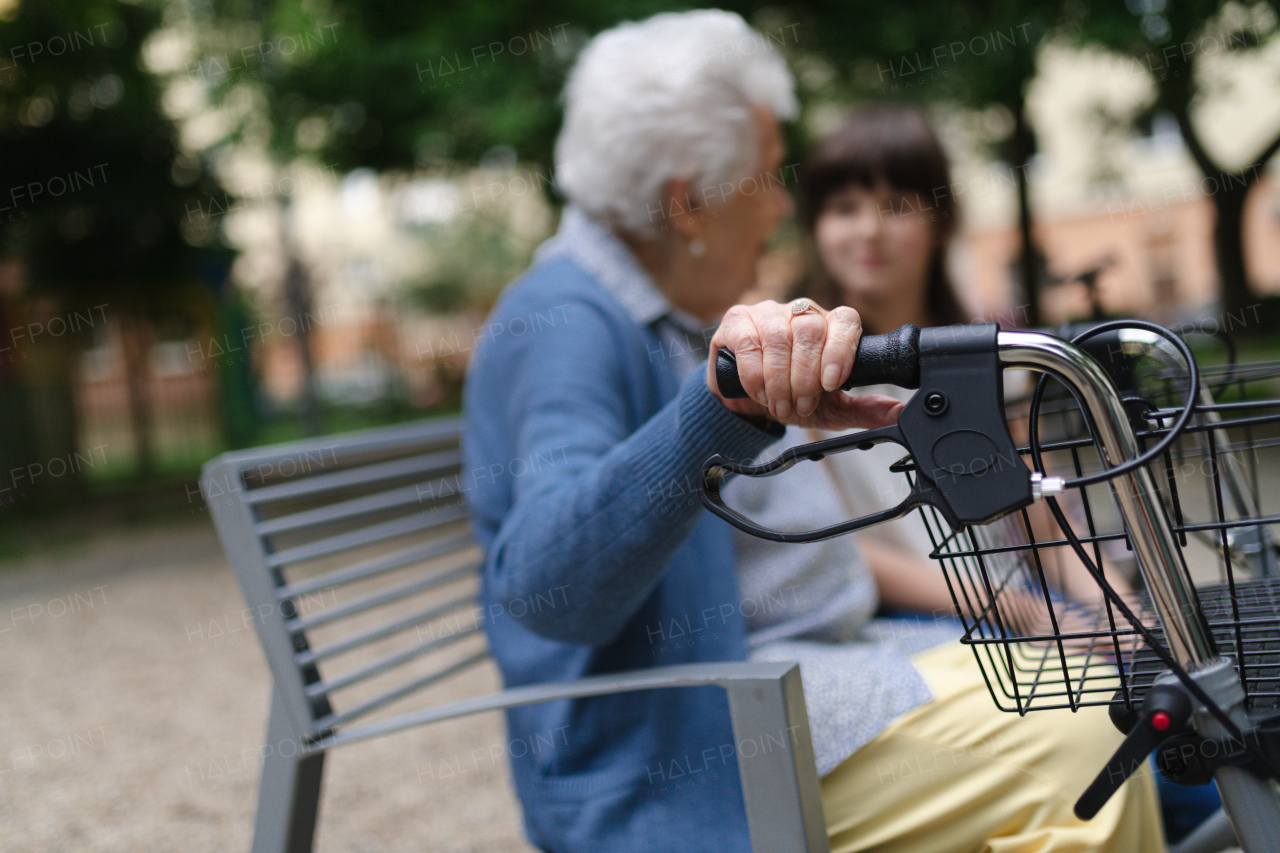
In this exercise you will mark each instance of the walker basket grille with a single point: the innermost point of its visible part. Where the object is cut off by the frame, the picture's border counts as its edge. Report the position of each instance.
(1042, 632)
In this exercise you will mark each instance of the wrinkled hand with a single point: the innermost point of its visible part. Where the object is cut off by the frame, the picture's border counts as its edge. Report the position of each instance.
(792, 366)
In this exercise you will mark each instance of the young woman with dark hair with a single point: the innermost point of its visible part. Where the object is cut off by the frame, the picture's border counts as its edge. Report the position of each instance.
(877, 200)
(879, 212)
(879, 207)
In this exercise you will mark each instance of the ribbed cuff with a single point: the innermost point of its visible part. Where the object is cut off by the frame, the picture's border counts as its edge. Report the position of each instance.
(703, 427)
(703, 416)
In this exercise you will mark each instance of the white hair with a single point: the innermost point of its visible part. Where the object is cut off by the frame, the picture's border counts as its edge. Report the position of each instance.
(667, 98)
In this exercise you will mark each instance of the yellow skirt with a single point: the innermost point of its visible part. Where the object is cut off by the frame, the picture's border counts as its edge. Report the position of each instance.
(958, 774)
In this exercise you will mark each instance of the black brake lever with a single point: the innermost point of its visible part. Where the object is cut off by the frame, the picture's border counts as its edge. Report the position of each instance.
(718, 467)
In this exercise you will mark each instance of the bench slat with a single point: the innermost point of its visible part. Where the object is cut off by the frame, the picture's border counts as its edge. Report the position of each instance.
(376, 599)
(322, 688)
(358, 476)
(314, 655)
(376, 566)
(394, 440)
(390, 499)
(334, 720)
(370, 534)
(350, 511)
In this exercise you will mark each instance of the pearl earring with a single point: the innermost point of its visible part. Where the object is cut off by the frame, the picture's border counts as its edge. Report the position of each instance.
(697, 247)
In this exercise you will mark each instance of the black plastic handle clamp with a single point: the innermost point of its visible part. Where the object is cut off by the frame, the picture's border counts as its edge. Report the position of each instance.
(967, 465)
(889, 359)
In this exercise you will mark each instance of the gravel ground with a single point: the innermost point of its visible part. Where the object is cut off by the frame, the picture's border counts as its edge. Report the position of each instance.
(128, 726)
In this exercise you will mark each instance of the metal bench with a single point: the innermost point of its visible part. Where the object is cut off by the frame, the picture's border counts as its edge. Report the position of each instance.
(354, 554)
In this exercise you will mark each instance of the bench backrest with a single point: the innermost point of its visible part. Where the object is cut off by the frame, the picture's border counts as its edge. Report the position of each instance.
(356, 563)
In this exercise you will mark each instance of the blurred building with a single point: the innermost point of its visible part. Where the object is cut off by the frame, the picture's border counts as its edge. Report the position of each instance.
(402, 270)
(1100, 192)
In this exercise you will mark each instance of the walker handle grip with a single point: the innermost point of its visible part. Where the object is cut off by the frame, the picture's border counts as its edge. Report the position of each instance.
(889, 359)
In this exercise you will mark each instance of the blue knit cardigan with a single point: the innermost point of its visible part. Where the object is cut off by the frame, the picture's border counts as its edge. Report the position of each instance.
(583, 449)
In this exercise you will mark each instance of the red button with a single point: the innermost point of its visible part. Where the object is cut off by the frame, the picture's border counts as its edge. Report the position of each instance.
(1160, 721)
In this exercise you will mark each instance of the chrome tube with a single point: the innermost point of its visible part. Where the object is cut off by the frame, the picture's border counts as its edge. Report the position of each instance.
(1255, 543)
(1169, 583)
(1249, 801)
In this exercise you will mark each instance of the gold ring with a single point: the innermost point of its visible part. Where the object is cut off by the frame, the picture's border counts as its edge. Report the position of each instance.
(803, 306)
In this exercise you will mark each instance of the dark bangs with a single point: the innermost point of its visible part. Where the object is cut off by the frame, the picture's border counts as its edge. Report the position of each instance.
(894, 144)
(879, 142)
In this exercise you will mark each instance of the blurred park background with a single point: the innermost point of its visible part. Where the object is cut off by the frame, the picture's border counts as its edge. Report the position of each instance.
(231, 222)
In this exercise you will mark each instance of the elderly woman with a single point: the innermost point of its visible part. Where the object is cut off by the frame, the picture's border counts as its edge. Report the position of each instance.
(587, 432)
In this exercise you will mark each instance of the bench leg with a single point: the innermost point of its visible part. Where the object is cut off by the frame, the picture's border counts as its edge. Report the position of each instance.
(289, 791)
(775, 759)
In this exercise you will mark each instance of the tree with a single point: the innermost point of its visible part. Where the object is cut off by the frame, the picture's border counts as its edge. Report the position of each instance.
(396, 87)
(93, 187)
(382, 85)
(977, 55)
(388, 85)
(403, 87)
(1169, 43)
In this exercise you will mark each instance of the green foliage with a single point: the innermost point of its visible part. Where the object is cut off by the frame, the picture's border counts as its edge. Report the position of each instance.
(88, 168)
(970, 52)
(476, 257)
(398, 86)
(1167, 40)
(440, 295)
(394, 85)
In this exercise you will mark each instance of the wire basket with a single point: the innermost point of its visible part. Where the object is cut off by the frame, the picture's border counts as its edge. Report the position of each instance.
(1044, 639)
